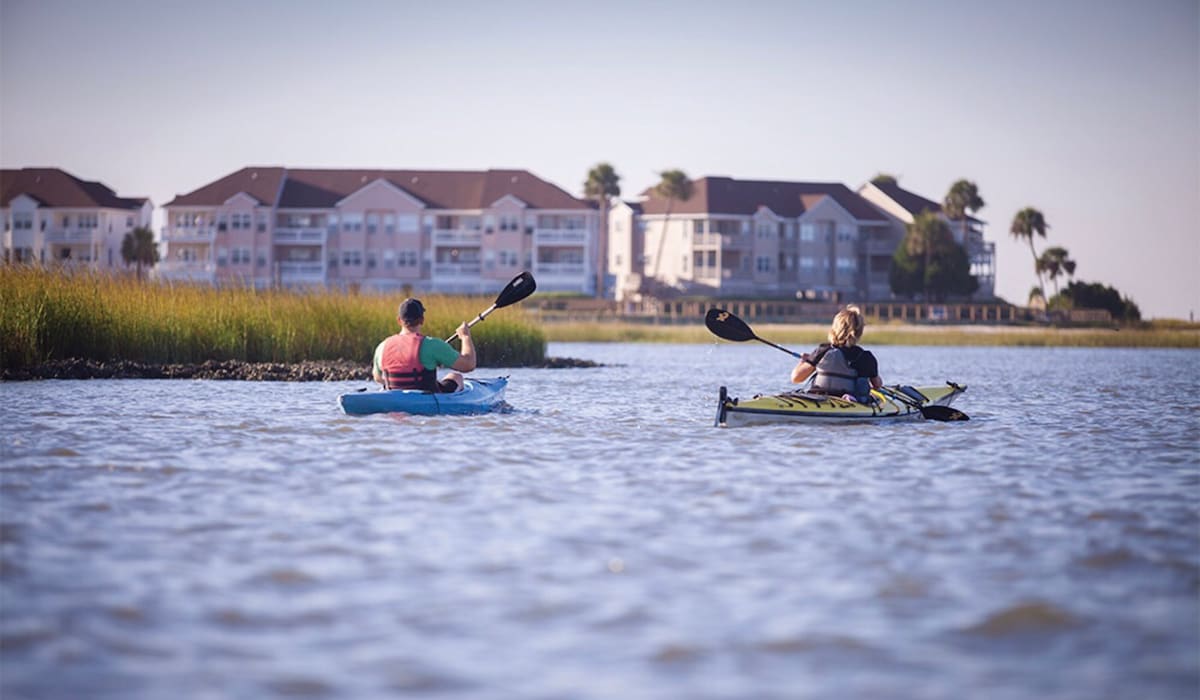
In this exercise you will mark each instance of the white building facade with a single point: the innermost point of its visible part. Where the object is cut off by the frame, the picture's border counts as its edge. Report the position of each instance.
(772, 239)
(901, 206)
(753, 238)
(441, 231)
(53, 218)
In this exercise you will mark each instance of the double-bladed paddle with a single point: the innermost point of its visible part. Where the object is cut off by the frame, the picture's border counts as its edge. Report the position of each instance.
(724, 324)
(520, 287)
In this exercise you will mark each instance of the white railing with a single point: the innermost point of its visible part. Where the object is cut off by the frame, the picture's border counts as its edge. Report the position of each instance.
(561, 269)
(301, 269)
(546, 236)
(315, 236)
(456, 236)
(185, 270)
(189, 235)
(68, 235)
(456, 269)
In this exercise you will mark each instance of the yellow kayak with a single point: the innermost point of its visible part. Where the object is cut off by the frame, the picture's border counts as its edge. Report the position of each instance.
(889, 403)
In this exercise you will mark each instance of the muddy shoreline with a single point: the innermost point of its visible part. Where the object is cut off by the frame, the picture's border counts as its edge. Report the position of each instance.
(313, 371)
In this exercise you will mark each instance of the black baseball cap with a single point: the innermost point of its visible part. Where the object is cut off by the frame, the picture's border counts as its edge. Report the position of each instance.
(411, 310)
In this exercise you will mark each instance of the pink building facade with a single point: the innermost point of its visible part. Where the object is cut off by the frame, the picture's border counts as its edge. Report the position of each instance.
(441, 231)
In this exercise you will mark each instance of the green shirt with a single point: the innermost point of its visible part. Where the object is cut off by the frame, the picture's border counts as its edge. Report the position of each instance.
(434, 353)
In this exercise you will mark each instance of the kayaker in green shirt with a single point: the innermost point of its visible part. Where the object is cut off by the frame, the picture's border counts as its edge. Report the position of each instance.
(409, 360)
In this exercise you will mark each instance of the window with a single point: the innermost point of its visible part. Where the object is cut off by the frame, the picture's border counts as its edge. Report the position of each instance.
(221, 226)
(352, 258)
(352, 222)
(489, 223)
(712, 258)
(808, 232)
(574, 223)
(765, 229)
(372, 223)
(370, 261)
(407, 223)
(807, 262)
(333, 223)
(847, 264)
(845, 233)
(262, 259)
(389, 223)
(698, 226)
(762, 263)
(407, 258)
(239, 256)
(128, 221)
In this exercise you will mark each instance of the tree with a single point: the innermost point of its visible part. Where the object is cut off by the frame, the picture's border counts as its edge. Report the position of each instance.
(1085, 295)
(138, 248)
(1055, 262)
(929, 261)
(884, 179)
(673, 185)
(1028, 223)
(963, 197)
(602, 184)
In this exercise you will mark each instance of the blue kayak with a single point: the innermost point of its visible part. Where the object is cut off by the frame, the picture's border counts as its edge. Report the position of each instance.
(477, 396)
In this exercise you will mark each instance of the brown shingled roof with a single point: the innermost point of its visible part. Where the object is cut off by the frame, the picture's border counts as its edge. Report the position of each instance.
(912, 202)
(54, 187)
(438, 189)
(724, 195)
(260, 183)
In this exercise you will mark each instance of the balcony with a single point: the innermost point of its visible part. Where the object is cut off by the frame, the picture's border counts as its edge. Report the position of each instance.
(469, 269)
(304, 272)
(309, 235)
(189, 235)
(69, 235)
(572, 236)
(186, 271)
(560, 269)
(443, 236)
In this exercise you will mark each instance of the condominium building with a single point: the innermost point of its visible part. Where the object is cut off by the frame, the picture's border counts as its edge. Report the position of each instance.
(52, 217)
(901, 206)
(754, 238)
(445, 231)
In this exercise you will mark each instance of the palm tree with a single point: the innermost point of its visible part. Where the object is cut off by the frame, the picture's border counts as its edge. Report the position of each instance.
(673, 185)
(1055, 262)
(602, 184)
(884, 179)
(138, 247)
(1026, 224)
(927, 235)
(963, 197)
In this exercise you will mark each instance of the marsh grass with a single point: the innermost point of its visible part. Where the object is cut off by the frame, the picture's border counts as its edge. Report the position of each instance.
(50, 315)
(804, 336)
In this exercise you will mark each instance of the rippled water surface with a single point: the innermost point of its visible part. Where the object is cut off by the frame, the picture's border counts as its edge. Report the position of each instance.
(603, 540)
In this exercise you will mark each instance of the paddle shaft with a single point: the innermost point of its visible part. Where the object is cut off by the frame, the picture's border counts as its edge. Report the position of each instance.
(475, 320)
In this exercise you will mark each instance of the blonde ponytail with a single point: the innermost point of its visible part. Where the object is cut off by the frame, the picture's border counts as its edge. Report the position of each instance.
(847, 327)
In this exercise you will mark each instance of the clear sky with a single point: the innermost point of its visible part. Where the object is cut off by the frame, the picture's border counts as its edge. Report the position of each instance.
(1087, 110)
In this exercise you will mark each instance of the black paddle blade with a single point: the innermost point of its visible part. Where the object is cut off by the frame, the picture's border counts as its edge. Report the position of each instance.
(725, 325)
(943, 413)
(520, 287)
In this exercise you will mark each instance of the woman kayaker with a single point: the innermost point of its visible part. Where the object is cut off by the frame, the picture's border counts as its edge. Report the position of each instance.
(409, 360)
(843, 368)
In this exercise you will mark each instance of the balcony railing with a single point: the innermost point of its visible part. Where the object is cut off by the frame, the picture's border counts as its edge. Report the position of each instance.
(456, 269)
(71, 235)
(301, 270)
(189, 235)
(185, 270)
(443, 236)
(560, 236)
(552, 269)
(311, 235)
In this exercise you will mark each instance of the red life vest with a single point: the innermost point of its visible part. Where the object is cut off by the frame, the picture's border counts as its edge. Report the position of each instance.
(401, 364)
